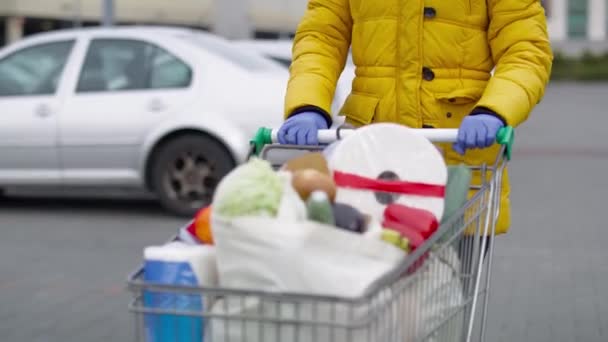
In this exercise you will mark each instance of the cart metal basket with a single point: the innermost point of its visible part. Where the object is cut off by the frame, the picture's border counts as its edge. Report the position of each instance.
(434, 295)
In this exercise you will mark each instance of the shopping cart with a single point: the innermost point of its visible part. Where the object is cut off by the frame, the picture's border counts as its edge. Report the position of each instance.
(433, 295)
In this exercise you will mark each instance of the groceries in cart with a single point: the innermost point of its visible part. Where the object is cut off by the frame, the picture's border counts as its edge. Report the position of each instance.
(330, 223)
(272, 234)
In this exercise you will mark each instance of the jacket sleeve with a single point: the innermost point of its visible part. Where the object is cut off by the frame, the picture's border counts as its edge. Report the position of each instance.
(320, 48)
(522, 54)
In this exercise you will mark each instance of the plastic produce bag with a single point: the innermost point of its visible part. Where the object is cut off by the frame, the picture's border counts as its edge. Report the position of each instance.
(281, 252)
(432, 298)
(330, 321)
(289, 254)
(440, 298)
(269, 254)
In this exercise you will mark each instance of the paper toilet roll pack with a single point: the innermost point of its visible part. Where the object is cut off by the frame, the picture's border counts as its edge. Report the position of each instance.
(375, 155)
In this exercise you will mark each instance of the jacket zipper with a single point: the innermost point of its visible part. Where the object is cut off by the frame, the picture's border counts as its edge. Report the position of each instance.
(398, 69)
(420, 59)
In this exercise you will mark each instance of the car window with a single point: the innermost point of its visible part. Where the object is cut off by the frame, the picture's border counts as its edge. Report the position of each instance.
(248, 60)
(121, 64)
(168, 72)
(34, 70)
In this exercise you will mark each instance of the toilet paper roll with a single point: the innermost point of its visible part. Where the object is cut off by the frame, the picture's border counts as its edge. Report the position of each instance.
(387, 156)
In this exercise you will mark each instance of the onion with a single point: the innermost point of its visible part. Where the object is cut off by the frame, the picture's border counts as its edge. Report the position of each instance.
(306, 181)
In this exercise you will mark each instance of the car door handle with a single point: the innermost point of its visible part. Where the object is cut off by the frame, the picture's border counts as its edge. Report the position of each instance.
(156, 105)
(43, 111)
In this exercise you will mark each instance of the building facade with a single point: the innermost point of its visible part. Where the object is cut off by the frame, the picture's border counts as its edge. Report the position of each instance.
(577, 19)
(230, 18)
(568, 20)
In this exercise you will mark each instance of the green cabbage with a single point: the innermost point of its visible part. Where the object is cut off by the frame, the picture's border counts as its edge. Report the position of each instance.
(251, 189)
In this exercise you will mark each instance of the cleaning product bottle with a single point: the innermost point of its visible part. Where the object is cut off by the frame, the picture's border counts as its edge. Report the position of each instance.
(319, 208)
(184, 265)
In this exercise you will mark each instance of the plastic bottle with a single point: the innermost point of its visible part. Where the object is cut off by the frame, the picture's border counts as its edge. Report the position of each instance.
(184, 265)
(319, 208)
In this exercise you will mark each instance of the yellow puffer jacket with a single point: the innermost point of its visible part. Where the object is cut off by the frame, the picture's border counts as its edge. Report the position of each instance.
(424, 64)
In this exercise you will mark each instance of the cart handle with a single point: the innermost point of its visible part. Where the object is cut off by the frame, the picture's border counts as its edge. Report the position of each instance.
(265, 136)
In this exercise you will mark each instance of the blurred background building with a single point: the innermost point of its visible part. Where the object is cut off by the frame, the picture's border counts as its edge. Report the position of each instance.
(578, 25)
(573, 24)
(577, 19)
(231, 18)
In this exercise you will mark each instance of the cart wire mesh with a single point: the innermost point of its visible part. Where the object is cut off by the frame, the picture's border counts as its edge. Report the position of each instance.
(433, 295)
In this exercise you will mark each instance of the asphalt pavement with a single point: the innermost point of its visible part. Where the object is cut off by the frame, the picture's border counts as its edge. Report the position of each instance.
(63, 262)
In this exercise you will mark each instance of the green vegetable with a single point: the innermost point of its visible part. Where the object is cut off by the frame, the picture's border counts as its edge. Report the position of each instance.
(251, 189)
(319, 208)
(457, 188)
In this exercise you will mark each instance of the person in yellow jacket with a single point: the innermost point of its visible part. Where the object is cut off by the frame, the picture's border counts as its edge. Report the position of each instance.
(423, 64)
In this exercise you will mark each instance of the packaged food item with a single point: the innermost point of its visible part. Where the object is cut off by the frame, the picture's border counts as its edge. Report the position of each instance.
(415, 238)
(349, 218)
(187, 234)
(394, 238)
(420, 220)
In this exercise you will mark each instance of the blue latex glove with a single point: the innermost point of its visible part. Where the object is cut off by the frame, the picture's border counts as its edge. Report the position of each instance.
(302, 129)
(477, 131)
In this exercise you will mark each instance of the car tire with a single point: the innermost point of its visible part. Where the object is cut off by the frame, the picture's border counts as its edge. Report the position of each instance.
(186, 170)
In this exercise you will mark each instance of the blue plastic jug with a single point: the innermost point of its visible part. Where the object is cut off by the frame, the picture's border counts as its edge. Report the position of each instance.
(168, 326)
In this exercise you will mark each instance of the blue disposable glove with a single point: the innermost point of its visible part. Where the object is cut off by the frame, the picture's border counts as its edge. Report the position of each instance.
(477, 131)
(302, 129)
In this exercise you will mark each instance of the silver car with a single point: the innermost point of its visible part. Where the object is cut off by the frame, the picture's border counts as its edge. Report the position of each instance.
(166, 110)
(281, 51)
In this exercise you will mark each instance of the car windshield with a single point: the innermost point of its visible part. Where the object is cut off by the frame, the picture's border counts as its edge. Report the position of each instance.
(245, 59)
